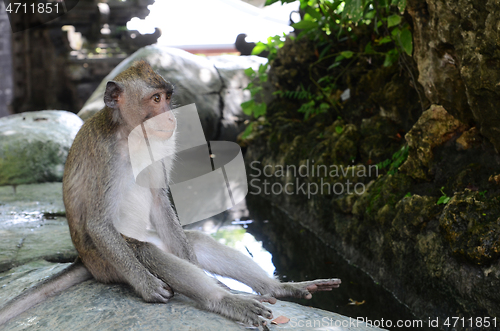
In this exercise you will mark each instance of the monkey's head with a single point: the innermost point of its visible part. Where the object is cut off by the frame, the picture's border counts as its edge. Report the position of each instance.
(139, 94)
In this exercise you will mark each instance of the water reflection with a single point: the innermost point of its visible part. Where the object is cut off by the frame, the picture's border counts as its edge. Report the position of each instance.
(229, 229)
(293, 253)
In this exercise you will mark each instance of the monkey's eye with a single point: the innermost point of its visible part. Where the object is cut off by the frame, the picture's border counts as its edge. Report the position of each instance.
(156, 98)
(169, 95)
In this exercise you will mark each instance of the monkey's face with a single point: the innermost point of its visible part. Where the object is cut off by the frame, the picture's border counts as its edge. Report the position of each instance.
(137, 96)
(141, 106)
(158, 103)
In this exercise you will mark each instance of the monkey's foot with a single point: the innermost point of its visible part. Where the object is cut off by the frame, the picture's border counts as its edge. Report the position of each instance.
(242, 308)
(304, 290)
(154, 290)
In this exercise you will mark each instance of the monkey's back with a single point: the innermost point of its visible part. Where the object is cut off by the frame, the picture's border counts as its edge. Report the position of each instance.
(87, 179)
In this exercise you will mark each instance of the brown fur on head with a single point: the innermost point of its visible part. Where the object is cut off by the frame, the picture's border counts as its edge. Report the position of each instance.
(138, 94)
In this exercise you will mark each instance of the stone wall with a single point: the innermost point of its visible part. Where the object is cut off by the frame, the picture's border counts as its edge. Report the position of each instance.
(456, 49)
(5, 62)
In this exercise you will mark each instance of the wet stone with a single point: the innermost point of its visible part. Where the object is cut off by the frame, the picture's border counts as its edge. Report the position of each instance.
(35, 237)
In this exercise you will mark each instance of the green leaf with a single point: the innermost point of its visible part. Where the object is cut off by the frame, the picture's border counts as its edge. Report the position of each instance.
(369, 48)
(339, 129)
(313, 13)
(260, 109)
(259, 48)
(393, 20)
(339, 58)
(262, 68)
(443, 200)
(247, 131)
(385, 40)
(324, 107)
(324, 79)
(346, 54)
(353, 9)
(402, 5)
(370, 14)
(325, 50)
(248, 106)
(305, 25)
(407, 195)
(391, 57)
(255, 90)
(406, 41)
(249, 72)
(336, 64)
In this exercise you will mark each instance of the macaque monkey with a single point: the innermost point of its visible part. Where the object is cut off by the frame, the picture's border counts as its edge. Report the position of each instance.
(101, 196)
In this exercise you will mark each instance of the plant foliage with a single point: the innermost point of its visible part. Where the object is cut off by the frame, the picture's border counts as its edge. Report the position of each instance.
(330, 25)
(395, 162)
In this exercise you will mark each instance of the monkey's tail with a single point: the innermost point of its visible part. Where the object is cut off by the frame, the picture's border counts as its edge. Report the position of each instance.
(74, 274)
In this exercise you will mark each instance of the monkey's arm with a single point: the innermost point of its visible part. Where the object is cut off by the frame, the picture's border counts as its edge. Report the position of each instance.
(74, 274)
(169, 229)
(110, 243)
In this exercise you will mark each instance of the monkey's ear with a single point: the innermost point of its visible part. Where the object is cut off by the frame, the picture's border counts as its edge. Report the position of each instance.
(113, 91)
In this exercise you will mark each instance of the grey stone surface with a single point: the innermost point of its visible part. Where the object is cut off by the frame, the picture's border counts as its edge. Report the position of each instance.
(93, 306)
(214, 84)
(34, 145)
(29, 238)
(31, 227)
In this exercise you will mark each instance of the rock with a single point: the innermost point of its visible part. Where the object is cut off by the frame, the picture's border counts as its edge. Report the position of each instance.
(33, 226)
(379, 137)
(472, 227)
(234, 80)
(433, 128)
(214, 84)
(469, 139)
(34, 146)
(456, 49)
(94, 306)
(32, 235)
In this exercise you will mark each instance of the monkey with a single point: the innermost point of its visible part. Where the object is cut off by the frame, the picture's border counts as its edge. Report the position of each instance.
(105, 207)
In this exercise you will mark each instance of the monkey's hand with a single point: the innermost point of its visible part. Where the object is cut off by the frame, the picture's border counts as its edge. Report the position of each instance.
(153, 289)
(304, 290)
(242, 308)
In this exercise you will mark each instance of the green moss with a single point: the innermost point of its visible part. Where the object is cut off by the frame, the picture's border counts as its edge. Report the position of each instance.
(471, 227)
(34, 163)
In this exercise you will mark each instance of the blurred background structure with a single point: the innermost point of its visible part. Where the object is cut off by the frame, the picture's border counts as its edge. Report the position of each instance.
(59, 64)
(5, 62)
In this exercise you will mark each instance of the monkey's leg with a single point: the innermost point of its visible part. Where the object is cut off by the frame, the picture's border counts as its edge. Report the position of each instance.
(226, 261)
(74, 274)
(188, 279)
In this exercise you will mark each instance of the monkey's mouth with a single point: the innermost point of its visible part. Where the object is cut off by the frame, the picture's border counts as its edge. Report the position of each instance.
(158, 127)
